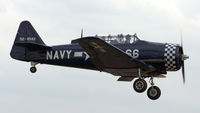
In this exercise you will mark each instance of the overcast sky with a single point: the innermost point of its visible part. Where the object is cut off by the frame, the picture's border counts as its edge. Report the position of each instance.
(56, 89)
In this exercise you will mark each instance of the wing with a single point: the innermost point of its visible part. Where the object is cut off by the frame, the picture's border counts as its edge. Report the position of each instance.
(111, 59)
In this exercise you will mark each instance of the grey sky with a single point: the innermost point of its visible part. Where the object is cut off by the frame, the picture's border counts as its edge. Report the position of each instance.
(67, 90)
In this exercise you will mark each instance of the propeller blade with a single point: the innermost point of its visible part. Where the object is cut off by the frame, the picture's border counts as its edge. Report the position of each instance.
(181, 39)
(183, 72)
(183, 58)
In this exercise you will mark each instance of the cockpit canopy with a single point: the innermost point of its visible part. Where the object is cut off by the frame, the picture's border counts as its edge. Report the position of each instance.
(120, 39)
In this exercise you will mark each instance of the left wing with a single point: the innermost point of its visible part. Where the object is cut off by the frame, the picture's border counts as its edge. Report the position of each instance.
(110, 59)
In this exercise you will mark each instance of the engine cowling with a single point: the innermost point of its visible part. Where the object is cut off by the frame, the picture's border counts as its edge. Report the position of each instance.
(172, 57)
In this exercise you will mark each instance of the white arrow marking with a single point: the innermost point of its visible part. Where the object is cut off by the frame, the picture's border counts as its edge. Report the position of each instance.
(86, 56)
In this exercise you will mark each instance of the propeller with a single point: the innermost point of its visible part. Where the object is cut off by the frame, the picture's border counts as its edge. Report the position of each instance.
(183, 57)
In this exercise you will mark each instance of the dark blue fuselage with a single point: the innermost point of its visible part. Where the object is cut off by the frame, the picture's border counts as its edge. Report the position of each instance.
(73, 55)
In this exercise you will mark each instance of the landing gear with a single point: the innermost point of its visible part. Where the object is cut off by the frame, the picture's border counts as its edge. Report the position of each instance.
(33, 69)
(140, 85)
(153, 92)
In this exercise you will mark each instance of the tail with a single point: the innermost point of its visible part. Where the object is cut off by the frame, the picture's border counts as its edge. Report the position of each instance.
(27, 40)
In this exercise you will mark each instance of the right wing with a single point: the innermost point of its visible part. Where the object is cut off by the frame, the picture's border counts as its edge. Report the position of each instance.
(110, 59)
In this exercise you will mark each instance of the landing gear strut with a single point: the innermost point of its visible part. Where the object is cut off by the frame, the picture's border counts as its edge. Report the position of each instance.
(33, 69)
(140, 85)
(153, 92)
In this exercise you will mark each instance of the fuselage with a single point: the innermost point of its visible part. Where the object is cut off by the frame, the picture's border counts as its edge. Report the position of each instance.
(72, 55)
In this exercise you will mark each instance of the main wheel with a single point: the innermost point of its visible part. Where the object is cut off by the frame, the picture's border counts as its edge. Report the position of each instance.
(153, 92)
(33, 69)
(140, 85)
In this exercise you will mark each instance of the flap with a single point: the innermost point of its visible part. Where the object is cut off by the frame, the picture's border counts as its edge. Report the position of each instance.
(127, 79)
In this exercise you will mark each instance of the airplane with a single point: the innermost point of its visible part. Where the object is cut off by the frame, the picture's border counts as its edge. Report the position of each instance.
(125, 56)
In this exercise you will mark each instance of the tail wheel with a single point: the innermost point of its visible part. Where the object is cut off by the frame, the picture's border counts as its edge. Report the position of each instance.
(140, 85)
(153, 92)
(33, 69)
